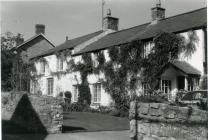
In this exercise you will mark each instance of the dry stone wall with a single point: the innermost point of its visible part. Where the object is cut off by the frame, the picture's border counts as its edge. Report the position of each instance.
(157, 121)
(26, 113)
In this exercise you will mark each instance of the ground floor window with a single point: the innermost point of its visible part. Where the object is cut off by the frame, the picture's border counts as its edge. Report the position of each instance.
(75, 92)
(97, 93)
(50, 86)
(165, 86)
(145, 88)
(192, 83)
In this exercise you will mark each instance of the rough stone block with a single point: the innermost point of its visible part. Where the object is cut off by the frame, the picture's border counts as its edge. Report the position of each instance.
(155, 105)
(144, 109)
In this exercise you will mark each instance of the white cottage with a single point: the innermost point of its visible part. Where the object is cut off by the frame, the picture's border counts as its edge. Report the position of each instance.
(55, 76)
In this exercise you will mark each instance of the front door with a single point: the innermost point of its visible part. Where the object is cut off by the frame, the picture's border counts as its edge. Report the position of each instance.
(181, 82)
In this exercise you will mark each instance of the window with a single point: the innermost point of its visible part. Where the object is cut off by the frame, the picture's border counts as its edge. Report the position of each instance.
(60, 64)
(147, 49)
(97, 93)
(192, 84)
(34, 86)
(165, 86)
(42, 68)
(145, 88)
(50, 86)
(75, 92)
(94, 59)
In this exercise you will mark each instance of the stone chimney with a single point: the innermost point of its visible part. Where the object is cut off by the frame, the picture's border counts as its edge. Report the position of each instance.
(39, 29)
(158, 12)
(110, 22)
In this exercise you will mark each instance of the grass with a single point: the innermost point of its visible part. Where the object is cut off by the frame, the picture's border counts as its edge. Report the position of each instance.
(85, 121)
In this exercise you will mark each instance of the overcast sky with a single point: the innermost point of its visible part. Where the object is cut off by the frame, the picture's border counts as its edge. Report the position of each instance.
(74, 18)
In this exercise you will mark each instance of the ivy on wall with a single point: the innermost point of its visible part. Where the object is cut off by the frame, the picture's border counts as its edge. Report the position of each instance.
(127, 66)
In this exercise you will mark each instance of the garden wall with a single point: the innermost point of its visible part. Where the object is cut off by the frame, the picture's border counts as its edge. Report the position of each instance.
(26, 113)
(157, 121)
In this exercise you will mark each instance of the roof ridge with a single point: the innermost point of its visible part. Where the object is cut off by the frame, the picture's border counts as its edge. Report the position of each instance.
(78, 37)
(160, 20)
(185, 13)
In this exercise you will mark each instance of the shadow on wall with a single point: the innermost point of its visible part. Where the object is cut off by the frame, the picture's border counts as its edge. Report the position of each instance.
(24, 120)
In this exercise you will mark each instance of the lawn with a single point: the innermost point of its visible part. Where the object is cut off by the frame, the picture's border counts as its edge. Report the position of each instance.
(84, 121)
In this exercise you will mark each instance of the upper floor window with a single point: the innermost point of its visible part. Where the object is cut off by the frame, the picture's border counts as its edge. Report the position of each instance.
(60, 64)
(165, 86)
(97, 93)
(42, 68)
(147, 48)
(95, 59)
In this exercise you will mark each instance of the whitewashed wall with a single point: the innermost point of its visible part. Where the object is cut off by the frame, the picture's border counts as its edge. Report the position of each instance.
(66, 82)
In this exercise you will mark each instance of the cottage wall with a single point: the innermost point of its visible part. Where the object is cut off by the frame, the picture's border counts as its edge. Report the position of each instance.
(66, 81)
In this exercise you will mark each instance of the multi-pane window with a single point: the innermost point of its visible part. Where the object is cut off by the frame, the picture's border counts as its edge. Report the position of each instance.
(50, 86)
(165, 86)
(60, 64)
(147, 49)
(42, 68)
(97, 93)
(192, 83)
(75, 92)
(145, 88)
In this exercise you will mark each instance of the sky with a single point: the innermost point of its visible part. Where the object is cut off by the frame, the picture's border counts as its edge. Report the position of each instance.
(74, 18)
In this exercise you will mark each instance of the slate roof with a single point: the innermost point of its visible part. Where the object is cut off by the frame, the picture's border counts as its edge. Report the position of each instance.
(25, 43)
(70, 44)
(186, 67)
(180, 23)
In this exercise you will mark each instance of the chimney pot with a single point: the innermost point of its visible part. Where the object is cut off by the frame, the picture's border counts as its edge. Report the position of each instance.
(67, 38)
(40, 29)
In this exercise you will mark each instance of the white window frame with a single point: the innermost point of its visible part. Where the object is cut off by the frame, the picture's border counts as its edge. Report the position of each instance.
(147, 48)
(97, 92)
(60, 64)
(42, 68)
(145, 88)
(192, 83)
(75, 93)
(165, 85)
(50, 86)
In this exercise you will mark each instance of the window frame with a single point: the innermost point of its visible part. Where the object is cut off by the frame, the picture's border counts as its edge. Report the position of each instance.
(50, 86)
(164, 85)
(75, 88)
(42, 68)
(145, 88)
(147, 49)
(97, 92)
(60, 64)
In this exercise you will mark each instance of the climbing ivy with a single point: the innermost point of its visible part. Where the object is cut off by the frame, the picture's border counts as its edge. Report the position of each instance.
(127, 66)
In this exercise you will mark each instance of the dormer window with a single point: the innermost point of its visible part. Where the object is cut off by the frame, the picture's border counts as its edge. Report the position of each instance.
(147, 48)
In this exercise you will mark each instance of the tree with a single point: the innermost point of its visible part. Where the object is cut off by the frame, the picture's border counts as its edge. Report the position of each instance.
(8, 42)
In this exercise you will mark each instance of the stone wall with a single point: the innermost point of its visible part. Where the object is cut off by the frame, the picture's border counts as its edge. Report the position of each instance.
(157, 121)
(26, 113)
